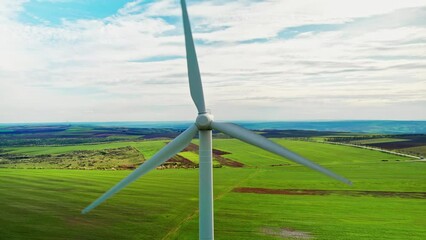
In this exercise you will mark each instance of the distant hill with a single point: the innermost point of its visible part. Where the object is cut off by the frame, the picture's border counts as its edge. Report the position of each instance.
(358, 126)
(366, 126)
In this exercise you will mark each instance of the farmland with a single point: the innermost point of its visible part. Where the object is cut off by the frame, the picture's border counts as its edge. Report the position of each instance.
(264, 197)
(413, 144)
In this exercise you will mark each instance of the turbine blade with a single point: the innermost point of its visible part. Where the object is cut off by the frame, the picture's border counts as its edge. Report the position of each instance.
(195, 85)
(173, 147)
(264, 143)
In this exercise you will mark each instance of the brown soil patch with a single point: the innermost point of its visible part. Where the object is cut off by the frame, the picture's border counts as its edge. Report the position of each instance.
(220, 152)
(183, 160)
(228, 162)
(127, 167)
(354, 193)
(191, 148)
(286, 233)
(217, 154)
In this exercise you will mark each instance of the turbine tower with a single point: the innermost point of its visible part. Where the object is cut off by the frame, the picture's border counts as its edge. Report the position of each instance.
(204, 124)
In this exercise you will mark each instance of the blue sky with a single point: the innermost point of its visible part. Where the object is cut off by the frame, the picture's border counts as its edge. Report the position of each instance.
(54, 12)
(119, 60)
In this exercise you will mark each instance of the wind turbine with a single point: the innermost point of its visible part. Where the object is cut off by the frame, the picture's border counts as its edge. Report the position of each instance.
(204, 125)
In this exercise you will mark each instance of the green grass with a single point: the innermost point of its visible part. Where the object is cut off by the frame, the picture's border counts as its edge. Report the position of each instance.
(148, 148)
(45, 204)
(323, 153)
(193, 157)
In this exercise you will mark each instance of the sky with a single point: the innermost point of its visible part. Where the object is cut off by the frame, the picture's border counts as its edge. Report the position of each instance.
(274, 60)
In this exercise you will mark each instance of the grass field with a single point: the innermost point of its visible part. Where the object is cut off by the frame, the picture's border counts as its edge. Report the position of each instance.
(148, 148)
(46, 204)
(325, 154)
(193, 157)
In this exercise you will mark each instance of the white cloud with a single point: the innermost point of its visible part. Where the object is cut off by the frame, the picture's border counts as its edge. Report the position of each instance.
(97, 70)
(9, 8)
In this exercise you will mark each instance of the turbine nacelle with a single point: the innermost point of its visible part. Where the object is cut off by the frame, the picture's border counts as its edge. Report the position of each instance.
(204, 121)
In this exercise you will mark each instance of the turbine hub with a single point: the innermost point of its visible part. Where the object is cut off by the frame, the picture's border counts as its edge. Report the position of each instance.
(204, 121)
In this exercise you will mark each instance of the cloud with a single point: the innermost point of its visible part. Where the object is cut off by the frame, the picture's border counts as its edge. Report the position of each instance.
(349, 56)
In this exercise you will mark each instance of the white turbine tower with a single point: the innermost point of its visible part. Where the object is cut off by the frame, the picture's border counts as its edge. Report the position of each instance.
(204, 125)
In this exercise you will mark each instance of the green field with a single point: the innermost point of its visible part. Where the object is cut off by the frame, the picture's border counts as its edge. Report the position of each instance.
(193, 157)
(323, 153)
(46, 204)
(148, 148)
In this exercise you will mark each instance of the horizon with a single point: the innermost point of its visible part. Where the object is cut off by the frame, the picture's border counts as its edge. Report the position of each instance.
(355, 126)
(224, 120)
(97, 61)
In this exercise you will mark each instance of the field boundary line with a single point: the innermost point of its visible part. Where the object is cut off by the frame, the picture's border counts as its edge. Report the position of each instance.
(176, 229)
(374, 149)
